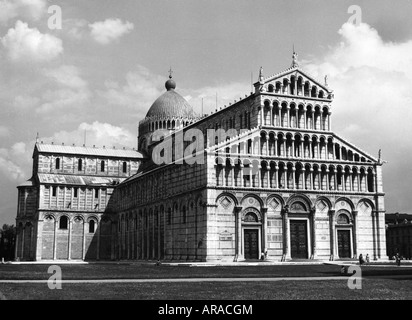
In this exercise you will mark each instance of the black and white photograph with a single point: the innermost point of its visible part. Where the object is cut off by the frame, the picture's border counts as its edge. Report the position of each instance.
(204, 158)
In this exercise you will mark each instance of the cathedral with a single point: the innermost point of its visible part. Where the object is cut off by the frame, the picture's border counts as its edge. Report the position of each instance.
(262, 176)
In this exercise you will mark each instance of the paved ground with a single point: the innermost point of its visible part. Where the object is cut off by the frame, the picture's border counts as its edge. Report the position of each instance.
(183, 280)
(212, 264)
(200, 281)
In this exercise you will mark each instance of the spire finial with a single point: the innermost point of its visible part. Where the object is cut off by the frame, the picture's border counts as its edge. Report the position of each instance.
(261, 74)
(294, 58)
(170, 84)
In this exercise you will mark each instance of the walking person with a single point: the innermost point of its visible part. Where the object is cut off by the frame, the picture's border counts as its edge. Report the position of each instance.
(367, 258)
(361, 261)
(398, 259)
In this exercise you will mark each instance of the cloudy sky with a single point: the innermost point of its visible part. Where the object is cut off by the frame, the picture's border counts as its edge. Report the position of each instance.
(102, 70)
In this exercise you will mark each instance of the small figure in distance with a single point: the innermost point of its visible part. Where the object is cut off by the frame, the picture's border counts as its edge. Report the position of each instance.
(158, 263)
(361, 261)
(262, 256)
(398, 259)
(367, 258)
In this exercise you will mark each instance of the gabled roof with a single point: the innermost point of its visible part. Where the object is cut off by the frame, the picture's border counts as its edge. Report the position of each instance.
(28, 183)
(88, 151)
(78, 180)
(351, 145)
(295, 70)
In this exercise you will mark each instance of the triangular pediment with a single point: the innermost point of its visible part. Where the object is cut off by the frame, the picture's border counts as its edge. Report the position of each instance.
(275, 83)
(352, 151)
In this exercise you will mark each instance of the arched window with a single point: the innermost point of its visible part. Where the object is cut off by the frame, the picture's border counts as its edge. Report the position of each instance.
(102, 166)
(80, 165)
(91, 226)
(251, 217)
(63, 223)
(124, 167)
(184, 215)
(249, 146)
(298, 206)
(343, 219)
(57, 163)
(370, 181)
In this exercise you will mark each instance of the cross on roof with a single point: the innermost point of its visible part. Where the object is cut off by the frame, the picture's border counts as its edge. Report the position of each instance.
(170, 73)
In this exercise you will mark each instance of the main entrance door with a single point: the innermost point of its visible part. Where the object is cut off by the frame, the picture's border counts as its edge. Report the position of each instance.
(298, 239)
(251, 244)
(344, 243)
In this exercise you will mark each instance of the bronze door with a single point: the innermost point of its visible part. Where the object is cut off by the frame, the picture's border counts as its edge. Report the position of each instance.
(298, 239)
(344, 243)
(251, 244)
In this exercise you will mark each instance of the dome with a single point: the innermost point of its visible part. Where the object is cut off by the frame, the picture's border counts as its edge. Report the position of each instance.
(170, 105)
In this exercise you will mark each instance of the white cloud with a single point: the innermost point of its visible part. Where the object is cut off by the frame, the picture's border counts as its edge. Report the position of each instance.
(18, 148)
(11, 170)
(29, 9)
(226, 93)
(75, 28)
(25, 102)
(69, 90)
(141, 88)
(138, 91)
(64, 98)
(97, 133)
(372, 81)
(109, 30)
(25, 44)
(66, 75)
(15, 162)
(4, 131)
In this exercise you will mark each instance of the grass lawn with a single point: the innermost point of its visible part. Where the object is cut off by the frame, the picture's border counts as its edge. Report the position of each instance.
(148, 271)
(377, 283)
(295, 290)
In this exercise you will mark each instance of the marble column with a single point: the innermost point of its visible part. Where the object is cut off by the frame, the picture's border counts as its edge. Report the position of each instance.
(354, 231)
(84, 239)
(288, 117)
(69, 254)
(97, 230)
(331, 233)
(264, 228)
(327, 180)
(54, 241)
(271, 116)
(238, 236)
(313, 233)
(285, 222)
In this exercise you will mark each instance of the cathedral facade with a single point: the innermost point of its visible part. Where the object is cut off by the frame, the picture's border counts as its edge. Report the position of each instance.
(264, 175)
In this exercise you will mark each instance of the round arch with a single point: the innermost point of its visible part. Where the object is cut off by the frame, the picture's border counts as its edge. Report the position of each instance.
(229, 195)
(251, 195)
(299, 198)
(347, 200)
